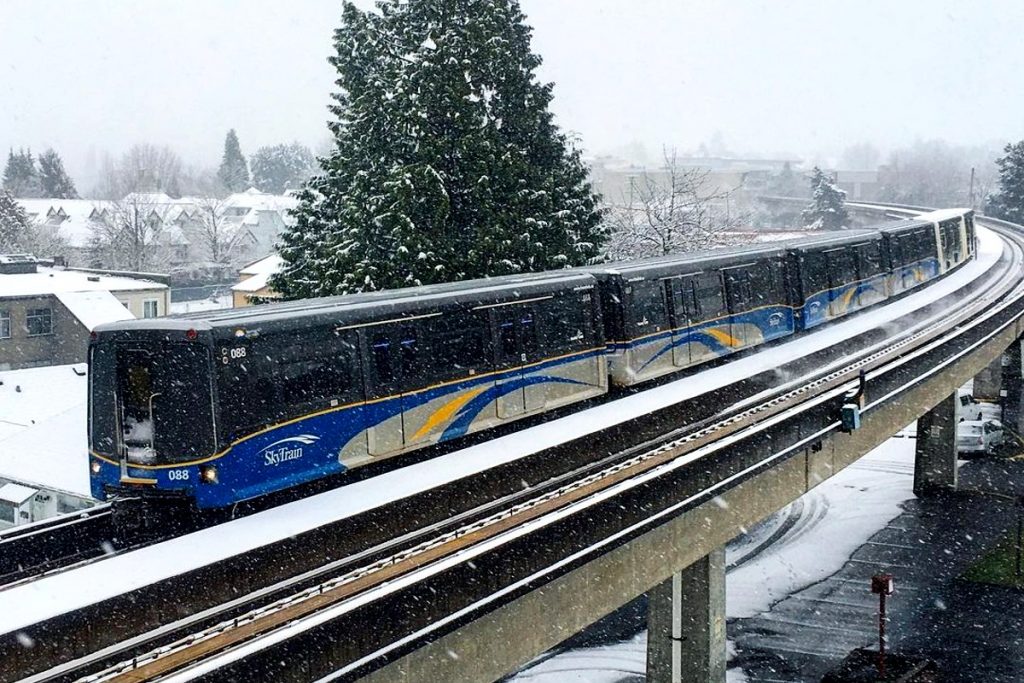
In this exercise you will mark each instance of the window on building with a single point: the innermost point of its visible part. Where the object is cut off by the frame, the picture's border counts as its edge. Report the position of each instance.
(150, 308)
(39, 321)
(5, 324)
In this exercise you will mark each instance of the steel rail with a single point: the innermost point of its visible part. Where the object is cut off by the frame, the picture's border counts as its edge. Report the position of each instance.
(32, 550)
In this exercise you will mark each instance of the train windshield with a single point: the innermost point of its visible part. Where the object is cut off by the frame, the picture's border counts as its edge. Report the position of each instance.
(151, 402)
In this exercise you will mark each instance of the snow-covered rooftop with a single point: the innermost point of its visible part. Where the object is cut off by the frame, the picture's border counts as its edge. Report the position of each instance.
(43, 427)
(75, 218)
(16, 493)
(94, 308)
(259, 272)
(254, 199)
(53, 280)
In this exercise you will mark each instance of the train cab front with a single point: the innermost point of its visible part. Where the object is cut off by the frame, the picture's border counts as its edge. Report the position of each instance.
(152, 428)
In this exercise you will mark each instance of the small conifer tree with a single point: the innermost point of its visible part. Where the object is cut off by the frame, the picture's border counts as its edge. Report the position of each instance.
(826, 211)
(233, 171)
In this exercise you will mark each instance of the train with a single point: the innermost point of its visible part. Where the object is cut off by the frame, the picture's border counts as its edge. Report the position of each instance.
(224, 406)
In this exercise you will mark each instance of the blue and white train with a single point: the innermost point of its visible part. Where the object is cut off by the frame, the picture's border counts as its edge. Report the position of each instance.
(230, 405)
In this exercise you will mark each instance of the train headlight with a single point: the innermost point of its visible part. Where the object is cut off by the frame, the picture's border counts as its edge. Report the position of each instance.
(208, 474)
(95, 466)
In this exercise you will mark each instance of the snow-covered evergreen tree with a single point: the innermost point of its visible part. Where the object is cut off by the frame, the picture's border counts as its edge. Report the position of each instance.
(54, 180)
(15, 227)
(281, 167)
(826, 211)
(447, 163)
(233, 171)
(1008, 201)
(21, 178)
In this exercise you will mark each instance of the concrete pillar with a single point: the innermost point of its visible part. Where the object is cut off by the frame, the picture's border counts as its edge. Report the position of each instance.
(989, 382)
(686, 624)
(935, 464)
(1012, 394)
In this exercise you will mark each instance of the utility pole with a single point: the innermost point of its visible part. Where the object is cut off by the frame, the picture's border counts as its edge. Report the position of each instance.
(882, 586)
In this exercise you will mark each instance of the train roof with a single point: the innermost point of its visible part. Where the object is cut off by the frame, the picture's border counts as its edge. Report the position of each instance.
(662, 266)
(356, 308)
(944, 214)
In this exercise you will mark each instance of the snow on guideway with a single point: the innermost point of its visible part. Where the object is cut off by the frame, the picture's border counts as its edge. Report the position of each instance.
(24, 605)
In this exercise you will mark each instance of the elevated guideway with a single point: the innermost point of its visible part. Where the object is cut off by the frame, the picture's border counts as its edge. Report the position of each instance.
(735, 443)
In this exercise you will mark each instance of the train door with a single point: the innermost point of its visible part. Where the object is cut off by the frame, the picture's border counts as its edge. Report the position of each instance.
(709, 325)
(842, 276)
(738, 296)
(385, 432)
(680, 294)
(516, 346)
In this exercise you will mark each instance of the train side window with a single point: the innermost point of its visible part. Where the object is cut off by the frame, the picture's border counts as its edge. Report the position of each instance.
(924, 244)
(775, 271)
(459, 344)
(649, 310)
(567, 321)
(737, 289)
(763, 284)
(908, 248)
(895, 252)
(409, 353)
(842, 266)
(528, 330)
(286, 375)
(870, 257)
(709, 296)
(507, 338)
(815, 273)
(380, 353)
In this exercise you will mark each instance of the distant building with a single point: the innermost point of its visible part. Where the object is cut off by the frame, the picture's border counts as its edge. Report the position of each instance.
(742, 180)
(859, 185)
(253, 281)
(251, 220)
(47, 312)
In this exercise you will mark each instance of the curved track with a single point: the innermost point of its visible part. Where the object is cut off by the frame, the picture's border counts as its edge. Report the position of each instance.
(219, 636)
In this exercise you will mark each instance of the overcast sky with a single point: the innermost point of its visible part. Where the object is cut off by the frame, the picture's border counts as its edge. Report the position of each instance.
(804, 77)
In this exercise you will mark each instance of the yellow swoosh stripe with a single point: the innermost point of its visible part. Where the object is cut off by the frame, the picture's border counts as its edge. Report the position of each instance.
(445, 412)
(847, 298)
(722, 336)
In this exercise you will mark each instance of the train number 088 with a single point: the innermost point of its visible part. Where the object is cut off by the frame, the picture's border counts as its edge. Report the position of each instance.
(178, 475)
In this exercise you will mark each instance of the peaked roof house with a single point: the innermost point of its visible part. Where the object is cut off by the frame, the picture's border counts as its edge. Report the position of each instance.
(251, 221)
(253, 283)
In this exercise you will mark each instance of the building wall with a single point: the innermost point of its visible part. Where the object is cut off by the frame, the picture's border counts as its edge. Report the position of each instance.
(133, 300)
(242, 299)
(67, 342)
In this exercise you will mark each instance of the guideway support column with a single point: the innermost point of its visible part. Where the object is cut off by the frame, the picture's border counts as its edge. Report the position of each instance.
(935, 464)
(686, 624)
(1012, 394)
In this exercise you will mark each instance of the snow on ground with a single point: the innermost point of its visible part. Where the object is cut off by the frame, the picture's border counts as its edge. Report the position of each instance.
(837, 517)
(625, 661)
(31, 603)
(211, 304)
(834, 520)
(42, 427)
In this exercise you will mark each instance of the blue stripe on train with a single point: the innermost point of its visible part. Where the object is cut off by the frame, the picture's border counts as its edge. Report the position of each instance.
(309, 448)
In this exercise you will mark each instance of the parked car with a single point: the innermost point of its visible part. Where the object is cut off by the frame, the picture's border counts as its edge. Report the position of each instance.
(978, 437)
(970, 409)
